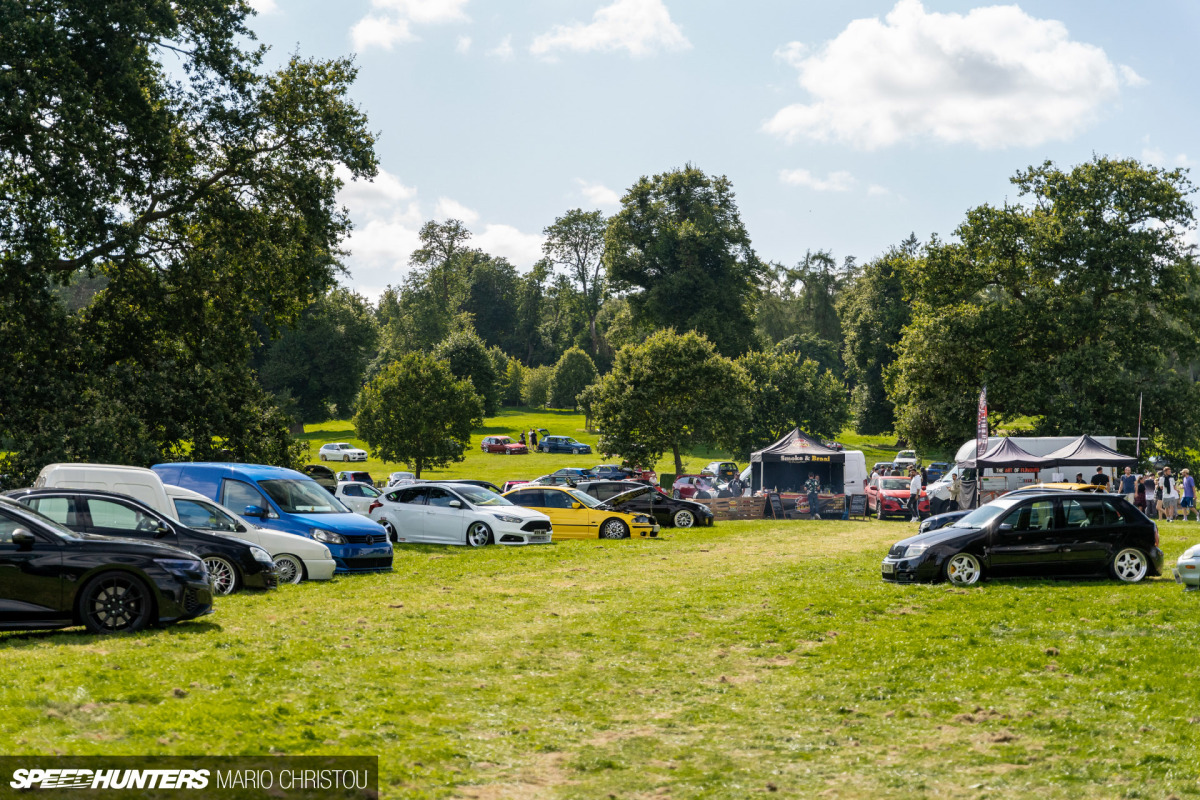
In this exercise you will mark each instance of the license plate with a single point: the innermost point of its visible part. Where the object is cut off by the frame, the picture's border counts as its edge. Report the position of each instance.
(536, 539)
(888, 567)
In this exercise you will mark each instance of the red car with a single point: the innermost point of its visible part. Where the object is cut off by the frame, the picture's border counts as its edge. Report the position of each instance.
(889, 495)
(502, 444)
(686, 486)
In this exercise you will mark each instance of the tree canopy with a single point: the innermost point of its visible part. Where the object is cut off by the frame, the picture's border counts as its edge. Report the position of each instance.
(417, 412)
(787, 391)
(678, 246)
(573, 373)
(195, 206)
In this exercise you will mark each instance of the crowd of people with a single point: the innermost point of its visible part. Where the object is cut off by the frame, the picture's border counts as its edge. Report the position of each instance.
(1160, 495)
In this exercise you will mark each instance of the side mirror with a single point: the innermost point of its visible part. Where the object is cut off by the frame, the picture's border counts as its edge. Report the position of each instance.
(161, 531)
(23, 538)
(1006, 527)
(576, 505)
(455, 504)
(255, 511)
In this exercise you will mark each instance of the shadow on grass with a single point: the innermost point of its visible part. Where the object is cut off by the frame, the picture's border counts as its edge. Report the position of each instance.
(78, 635)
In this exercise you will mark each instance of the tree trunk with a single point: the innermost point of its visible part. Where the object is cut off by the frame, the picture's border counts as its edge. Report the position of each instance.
(417, 468)
(595, 338)
(678, 460)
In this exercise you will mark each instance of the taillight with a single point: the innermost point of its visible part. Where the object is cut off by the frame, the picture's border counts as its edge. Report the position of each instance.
(374, 505)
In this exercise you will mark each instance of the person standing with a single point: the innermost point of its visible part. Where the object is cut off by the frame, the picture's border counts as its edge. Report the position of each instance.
(914, 493)
(533, 440)
(1139, 499)
(955, 493)
(1129, 485)
(1187, 494)
(812, 487)
(1079, 477)
(1148, 485)
(1170, 494)
(1100, 479)
(522, 437)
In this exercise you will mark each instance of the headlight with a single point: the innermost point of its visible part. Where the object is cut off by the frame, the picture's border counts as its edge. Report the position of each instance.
(182, 566)
(1189, 553)
(328, 537)
(642, 518)
(915, 550)
(508, 518)
(261, 556)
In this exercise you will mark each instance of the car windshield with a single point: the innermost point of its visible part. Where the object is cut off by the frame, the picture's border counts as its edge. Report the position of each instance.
(478, 496)
(894, 484)
(302, 497)
(981, 516)
(582, 497)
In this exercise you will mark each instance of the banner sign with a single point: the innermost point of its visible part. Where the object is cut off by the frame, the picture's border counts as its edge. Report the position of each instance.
(192, 777)
(981, 425)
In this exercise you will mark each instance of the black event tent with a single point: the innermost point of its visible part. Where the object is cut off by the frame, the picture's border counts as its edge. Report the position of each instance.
(1087, 452)
(1005, 453)
(785, 464)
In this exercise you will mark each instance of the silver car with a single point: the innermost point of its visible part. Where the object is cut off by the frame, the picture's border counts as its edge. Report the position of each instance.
(1187, 568)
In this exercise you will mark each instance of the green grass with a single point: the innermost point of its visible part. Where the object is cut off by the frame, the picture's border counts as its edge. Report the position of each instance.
(711, 664)
(493, 466)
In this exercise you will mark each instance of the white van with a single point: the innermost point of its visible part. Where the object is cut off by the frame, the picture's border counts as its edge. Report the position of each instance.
(137, 482)
(854, 473)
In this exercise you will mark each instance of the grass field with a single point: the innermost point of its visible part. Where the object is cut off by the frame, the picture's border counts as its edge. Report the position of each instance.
(751, 658)
(499, 468)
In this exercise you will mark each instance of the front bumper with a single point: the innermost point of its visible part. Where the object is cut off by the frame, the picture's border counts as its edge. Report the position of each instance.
(183, 599)
(528, 532)
(265, 578)
(319, 569)
(362, 558)
(918, 569)
(641, 530)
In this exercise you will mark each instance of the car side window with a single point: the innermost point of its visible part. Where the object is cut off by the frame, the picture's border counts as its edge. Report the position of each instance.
(557, 500)
(1036, 516)
(237, 496)
(1112, 515)
(352, 491)
(117, 516)
(440, 498)
(7, 526)
(367, 491)
(194, 515)
(530, 498)
(59, 509)
(1083, 513)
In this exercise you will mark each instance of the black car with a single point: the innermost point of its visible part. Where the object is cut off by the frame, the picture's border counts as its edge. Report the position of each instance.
(54, 577)
(639, 498)
(1033, 534)
(611, 472)
(232, 563)
(942, 520)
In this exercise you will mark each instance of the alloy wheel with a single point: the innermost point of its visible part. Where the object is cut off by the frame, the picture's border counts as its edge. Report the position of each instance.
(289, 568)
(478, 534)
(1129, 565)
(222, 575)
(963, 569)
(684, 519)
(614, 529)
(114, 603)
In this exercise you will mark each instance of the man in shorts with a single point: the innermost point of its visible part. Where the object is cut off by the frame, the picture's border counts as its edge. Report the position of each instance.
(1187, 498)
(1129, 485)
(1170, 494)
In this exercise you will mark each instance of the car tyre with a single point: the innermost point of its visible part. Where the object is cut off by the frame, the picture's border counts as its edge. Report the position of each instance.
(684, 518)
(290, 568)
(392, 534)
(614, 529)
(879, 511)
(962, 569)
(115, 602)
(675, 494)
(1129, 565)
(223, 574)
(322, 456)
(345, 458)
(478, 534)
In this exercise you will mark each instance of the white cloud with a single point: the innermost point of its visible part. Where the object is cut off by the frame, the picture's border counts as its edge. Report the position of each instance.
(875, 190)
(598, 194)
(387, 218)
(264, 6)
(833, 182)
(382, 32)
(503, 50)
(641, 27)
(522, 249)
(452, 209)
(994, 77)
(463, 45)
(1159, 158)
(1131, 78)
(394, 23)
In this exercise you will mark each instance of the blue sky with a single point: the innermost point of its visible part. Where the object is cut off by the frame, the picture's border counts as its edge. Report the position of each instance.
(843, 125)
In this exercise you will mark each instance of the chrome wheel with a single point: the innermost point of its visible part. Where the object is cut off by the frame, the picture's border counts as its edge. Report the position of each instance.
(393, 537)
(963, 569)
(290, 568)
(614, 529)
(222, 575)
(684, 519)
(1129, 565)
(115, 602)
(478, 534)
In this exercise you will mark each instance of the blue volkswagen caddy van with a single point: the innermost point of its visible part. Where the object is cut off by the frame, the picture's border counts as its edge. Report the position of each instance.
(289, 501)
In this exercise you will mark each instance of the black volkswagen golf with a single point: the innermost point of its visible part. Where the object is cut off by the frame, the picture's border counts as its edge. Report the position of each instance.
(640, 498)
(1033, 534)
(53, 577)
(233, 563)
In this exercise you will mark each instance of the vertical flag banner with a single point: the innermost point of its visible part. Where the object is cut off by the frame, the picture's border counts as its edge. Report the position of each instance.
(1137, 447)
(981, 425)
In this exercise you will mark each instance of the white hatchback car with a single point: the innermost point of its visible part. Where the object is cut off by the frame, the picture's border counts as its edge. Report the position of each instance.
(443, 513)
(296, 558)
(357, 496)
(341, 451)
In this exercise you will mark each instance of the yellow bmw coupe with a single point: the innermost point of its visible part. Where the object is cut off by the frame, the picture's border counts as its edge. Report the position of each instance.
(577, 515)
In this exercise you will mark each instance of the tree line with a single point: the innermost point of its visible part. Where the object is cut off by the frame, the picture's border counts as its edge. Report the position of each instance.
(170, 263)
